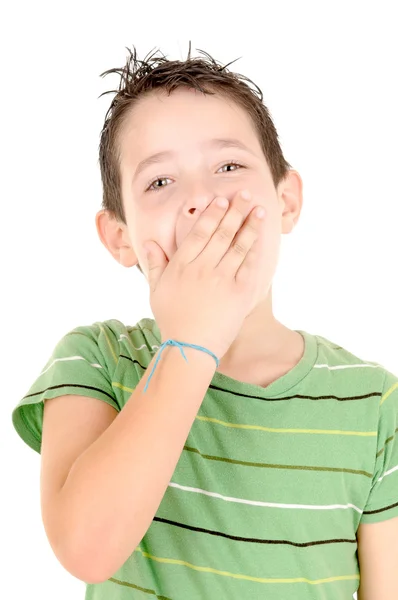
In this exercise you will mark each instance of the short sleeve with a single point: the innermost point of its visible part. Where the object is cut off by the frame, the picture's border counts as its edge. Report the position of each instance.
(76, 366)
(382, 503)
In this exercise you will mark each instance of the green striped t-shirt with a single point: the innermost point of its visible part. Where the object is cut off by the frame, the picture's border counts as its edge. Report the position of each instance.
(272, 483)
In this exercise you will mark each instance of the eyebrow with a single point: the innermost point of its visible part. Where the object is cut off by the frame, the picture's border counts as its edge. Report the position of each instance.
(218, 143)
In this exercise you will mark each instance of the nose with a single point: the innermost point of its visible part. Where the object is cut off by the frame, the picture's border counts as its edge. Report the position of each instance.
(197, 198)
(194, 198)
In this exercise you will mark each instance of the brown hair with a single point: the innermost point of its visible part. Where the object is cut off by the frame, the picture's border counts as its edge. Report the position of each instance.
(140, 77)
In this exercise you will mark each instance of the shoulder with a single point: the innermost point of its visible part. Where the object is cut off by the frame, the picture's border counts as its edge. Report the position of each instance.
(103, 360)
(359, 371)
(112, 337)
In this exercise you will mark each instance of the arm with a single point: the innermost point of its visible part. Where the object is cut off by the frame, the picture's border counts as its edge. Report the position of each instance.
(378, 560)
(114, 488)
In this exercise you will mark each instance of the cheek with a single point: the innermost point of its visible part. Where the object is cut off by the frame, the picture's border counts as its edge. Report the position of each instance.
(268, 199)
(159, 226)
(262, 188)
(269, 246)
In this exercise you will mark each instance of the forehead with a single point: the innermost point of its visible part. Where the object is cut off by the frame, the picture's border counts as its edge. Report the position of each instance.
(185, 117)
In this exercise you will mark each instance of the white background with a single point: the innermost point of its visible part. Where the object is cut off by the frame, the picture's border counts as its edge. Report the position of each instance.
(328, 71)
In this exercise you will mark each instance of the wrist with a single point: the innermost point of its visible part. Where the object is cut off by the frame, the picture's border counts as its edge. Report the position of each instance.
(195, 352)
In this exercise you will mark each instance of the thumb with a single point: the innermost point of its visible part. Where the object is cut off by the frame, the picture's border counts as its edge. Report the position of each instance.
(156, 261)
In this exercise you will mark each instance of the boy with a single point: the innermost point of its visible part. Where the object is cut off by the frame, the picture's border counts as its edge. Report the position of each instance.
(265, 465)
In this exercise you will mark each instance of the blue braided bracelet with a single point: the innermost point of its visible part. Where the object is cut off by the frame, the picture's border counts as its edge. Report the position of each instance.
(180, 345)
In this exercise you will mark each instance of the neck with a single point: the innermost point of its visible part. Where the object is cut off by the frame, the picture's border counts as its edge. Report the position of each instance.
(261, 339)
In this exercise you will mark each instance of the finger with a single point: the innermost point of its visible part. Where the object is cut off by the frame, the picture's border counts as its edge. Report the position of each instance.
(202, 232)
(244, 242)
(224, 235)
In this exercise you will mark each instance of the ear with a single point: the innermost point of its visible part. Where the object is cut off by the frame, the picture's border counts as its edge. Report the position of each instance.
(115, 237)
(290, 196)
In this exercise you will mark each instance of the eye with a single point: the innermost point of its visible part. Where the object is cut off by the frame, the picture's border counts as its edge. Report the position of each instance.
(232, 163)
(152, 188)
(156, 188)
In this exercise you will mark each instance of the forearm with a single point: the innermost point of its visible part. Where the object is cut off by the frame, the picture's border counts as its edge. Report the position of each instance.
(115, 487)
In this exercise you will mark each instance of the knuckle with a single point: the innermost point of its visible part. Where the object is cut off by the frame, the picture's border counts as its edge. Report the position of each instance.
(239, 248)
(253, 225)
(224, 233)
(200, 233)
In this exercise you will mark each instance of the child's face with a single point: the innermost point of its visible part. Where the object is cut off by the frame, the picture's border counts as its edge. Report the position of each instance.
(184, 124)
